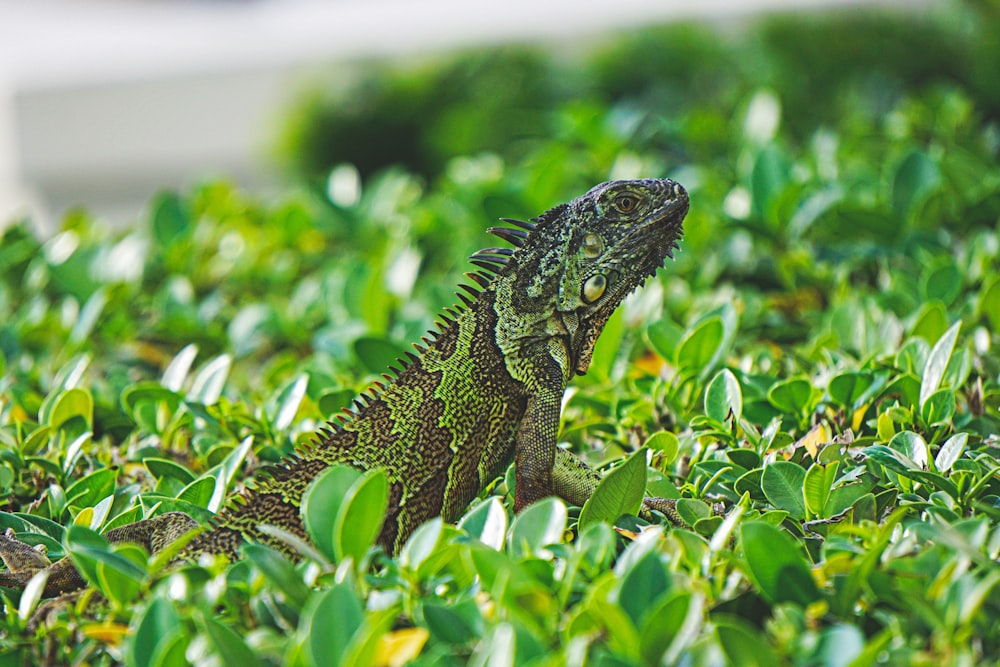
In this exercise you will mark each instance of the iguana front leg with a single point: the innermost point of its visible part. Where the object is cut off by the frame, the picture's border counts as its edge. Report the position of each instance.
(574, 481)
(535, 448)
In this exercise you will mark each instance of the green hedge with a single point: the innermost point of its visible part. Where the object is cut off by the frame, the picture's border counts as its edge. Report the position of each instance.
(821, 358)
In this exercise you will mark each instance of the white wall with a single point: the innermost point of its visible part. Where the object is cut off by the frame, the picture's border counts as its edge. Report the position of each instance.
(102, 102)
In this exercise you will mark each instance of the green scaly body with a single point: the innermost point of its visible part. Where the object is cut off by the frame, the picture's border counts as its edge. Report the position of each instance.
(485, 390)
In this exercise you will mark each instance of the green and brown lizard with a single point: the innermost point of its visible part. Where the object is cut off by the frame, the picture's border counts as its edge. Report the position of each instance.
(484, 390)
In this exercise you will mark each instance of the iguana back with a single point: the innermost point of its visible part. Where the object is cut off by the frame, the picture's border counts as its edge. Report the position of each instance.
(442, 429)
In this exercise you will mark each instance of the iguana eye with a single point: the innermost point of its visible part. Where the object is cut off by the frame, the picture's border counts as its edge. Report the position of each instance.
(626, 203)
(593, 246)
(593, 288)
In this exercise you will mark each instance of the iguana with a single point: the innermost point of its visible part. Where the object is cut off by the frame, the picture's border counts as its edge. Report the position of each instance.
(483, 390)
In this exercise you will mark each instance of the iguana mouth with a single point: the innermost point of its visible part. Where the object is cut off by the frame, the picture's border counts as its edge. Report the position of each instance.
(657, 236)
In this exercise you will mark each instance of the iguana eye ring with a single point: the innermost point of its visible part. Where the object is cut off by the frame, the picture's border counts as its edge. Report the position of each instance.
(626, 203)
(594, 287)
(593, 246)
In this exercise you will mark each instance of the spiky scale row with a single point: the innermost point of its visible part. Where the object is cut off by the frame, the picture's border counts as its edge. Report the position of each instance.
(523, 224)
(515, 237)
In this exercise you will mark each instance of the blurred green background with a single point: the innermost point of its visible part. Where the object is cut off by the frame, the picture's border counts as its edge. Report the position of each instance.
(836, 162)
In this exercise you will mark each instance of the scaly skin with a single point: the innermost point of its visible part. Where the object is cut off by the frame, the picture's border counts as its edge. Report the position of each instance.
(485, 391)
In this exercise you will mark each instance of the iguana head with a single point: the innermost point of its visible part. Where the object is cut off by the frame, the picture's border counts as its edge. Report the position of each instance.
(576, 263)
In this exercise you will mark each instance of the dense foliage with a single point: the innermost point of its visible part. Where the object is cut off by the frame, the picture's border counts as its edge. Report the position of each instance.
(821, 359)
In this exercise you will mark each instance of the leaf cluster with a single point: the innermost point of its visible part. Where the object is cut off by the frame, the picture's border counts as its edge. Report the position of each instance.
(819, 365)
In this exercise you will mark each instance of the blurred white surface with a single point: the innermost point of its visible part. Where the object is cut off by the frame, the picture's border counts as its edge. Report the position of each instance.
(102, 102)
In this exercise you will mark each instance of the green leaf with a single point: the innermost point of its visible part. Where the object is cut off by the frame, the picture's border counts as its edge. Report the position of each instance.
(847, 389)
(817, 487)
(950, 452)
(198, 492)
(32, 594)
(768, 180)
(664, 336)
(669, 621)
(229, 646)
(36, 439)
(609, 345)
(989, 304)
(487, 522)
(913, 355)
(89, 314)
(692, 510)
(846, 495)
(279, 571)
(227, 470)
(793, 396)
(941, 281)
(939, 408)
(206, 388)
(619, 492)
(747, 459)
(641, 585)
(840, 645)
(71, 373)
(937, 362)
(101, 566)
(916, 177)
(321, 505)
(171, 219)
(329, 622)
(119, 582)
(457, 623)
(749, 482)
(334, 400)
(775, 564)
(743, 644)
(153, 631)
(172, 649)
(890, 458)
(148, 392)
(539, 525)
(912, 445)
(67, 405)
(783, 482)
(377, 354)
(724, 398)
(930, 324)
(160, 468)
(361, 515)
(699, 346)
(177, 370)
(89, 490)
(7, 476)
(665, 444)
(286, 403)
(423, 544)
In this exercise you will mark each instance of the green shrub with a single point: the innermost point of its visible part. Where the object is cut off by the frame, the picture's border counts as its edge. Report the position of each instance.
(821, 359)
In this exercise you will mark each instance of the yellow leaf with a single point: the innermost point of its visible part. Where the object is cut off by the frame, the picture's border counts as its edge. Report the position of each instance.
(885, 428)
(398, 648)
(84, 518)
(857, 417)
(18, 414)
(106, 632)
(627, 534)
(650, 364)
(817, 435)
